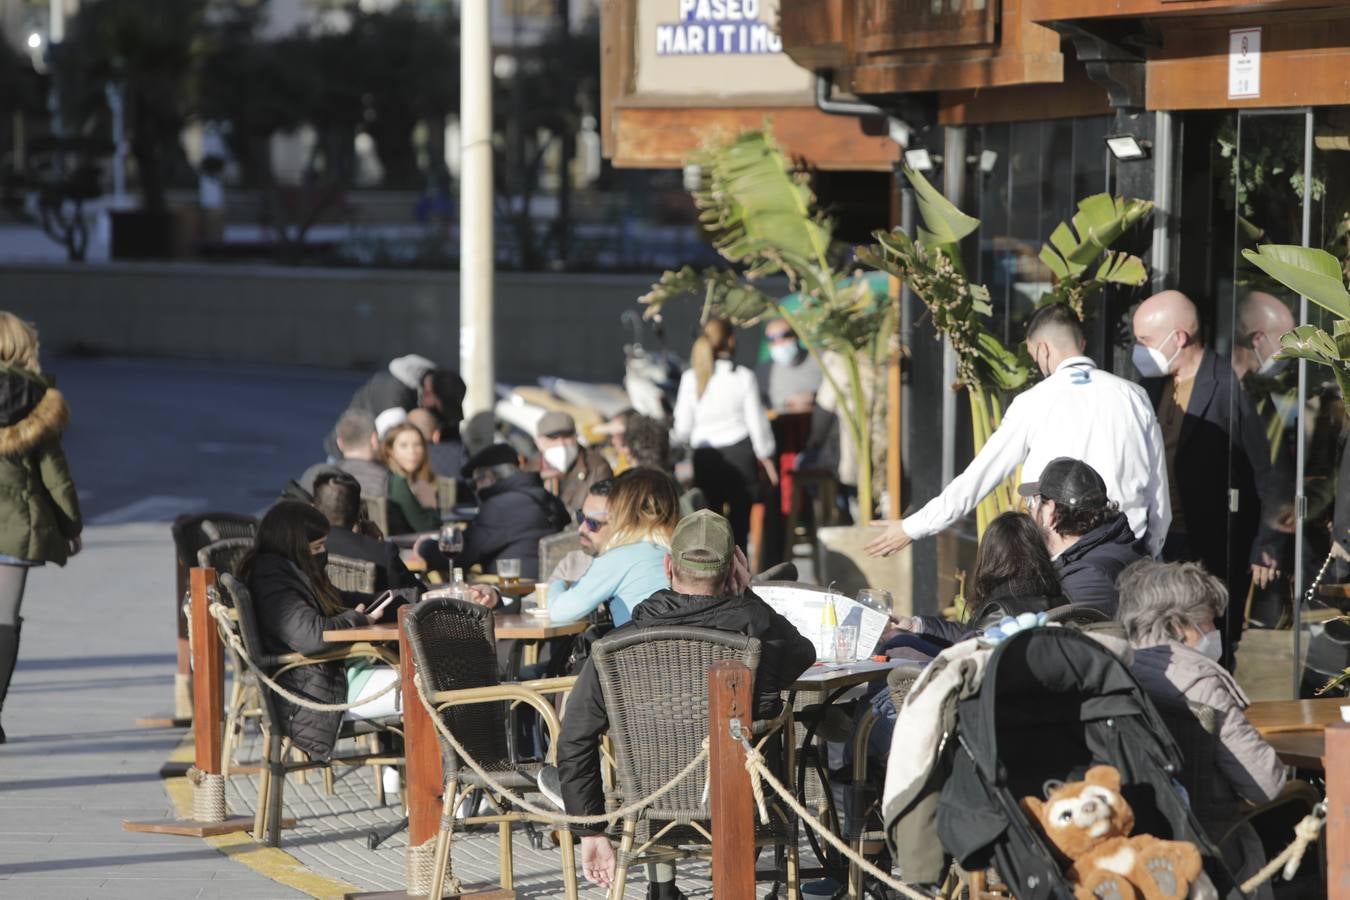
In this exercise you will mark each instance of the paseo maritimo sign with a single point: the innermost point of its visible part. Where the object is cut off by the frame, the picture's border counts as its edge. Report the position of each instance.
(716, 27)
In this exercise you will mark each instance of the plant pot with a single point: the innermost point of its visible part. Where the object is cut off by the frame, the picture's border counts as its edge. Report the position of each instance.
(137, 234)
(842, 562)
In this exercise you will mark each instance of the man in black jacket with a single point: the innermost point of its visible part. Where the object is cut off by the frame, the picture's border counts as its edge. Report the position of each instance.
(1216, 451)
(709, 580)
(514, 512)
(338, 496)
(1088, 536)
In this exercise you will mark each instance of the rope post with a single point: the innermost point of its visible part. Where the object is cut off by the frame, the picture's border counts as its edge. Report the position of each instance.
(733, 816)
(422, 752)
(1338, 811)
(209, 816)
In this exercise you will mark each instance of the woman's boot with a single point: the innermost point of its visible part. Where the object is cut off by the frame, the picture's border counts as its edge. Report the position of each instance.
(9, 656)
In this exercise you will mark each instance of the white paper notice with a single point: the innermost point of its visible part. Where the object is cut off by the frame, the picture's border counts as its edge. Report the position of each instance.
(803, 607)
(1244, 63)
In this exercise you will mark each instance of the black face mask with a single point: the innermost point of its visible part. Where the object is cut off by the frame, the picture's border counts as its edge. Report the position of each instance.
(322, 559)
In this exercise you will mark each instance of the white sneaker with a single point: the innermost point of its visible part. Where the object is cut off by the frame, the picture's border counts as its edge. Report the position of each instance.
(392, 780)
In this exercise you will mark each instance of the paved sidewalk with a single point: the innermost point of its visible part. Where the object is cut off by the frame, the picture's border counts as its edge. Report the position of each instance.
(97, 653)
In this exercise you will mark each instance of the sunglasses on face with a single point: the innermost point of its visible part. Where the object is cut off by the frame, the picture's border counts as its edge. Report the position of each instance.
(585, 521)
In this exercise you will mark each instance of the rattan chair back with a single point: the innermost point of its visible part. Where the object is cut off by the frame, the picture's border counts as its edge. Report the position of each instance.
(899, 682)
(454, 646)
(236, 594)
(655, 685)
(193, 532)
(220, 526)
(376, 509)
(353, 575)
(224, 555)
(554, 547)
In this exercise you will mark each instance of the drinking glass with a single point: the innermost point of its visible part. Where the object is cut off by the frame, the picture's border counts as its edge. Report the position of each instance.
(876, 598)
(509, 570)
(846, 643)
(451, 540)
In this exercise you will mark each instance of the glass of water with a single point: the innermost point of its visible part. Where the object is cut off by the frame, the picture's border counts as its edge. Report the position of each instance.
(846, 643)
(876, 598)
(509, 570)
(451, 540)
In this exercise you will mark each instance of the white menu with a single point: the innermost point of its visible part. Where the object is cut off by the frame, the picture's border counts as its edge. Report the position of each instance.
(805, 607)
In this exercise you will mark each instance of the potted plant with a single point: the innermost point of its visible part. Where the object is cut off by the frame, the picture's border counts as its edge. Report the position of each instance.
(761, 215)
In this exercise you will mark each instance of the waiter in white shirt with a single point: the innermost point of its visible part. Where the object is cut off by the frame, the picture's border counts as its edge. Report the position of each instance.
(1077, 411)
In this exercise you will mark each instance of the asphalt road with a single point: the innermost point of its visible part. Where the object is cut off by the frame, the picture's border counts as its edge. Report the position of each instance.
(151, 439)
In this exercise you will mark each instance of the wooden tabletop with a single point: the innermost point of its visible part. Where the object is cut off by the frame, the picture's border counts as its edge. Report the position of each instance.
(515, 627)
(1335, 590)
(1303, 749)
(823, 678)
(1276, 716)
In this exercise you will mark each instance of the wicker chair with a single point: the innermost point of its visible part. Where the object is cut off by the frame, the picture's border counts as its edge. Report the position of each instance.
(866, 799)
(655, 685)
(190, 534)
(276, 745)
(225, 556)
(454, 646)
(353, 575)
(376, 509)
(1225, 816)
(554, 547)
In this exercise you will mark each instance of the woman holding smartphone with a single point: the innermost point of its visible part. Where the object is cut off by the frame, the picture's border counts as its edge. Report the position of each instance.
(295, 604)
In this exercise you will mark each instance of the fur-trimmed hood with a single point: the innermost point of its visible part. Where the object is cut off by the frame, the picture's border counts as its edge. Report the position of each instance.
(31, 413)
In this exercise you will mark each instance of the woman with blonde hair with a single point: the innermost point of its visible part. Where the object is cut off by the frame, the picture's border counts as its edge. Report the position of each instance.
(641, 514)
(412, 484)
(719, 414)
(39, 511)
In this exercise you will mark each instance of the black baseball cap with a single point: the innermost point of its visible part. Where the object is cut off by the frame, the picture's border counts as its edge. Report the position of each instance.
(491, 455)
(1068, 482)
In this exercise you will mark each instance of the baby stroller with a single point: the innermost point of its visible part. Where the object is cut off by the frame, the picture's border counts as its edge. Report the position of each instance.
(1052, 703)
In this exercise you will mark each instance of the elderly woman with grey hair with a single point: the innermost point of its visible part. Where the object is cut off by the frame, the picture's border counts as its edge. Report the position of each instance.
(1168, 611)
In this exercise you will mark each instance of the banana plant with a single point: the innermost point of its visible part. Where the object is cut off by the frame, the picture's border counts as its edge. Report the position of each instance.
(762, 218)
(1317, 275)
(1075, 247)
(960, 310)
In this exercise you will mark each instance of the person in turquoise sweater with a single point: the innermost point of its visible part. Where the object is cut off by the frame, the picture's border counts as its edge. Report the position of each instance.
(642, 512)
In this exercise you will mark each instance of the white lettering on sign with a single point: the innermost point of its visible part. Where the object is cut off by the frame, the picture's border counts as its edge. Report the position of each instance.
(1244, 63)
(708, 27)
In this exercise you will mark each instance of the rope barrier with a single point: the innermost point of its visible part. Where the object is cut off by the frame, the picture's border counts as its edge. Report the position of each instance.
(759, 771)
(222, 616)
(208, 796)
(1305, 833)
(548, 815)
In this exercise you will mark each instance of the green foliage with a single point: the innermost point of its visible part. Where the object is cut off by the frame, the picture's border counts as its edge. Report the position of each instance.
(761, 216)
(1317, 275)
(1072, 252)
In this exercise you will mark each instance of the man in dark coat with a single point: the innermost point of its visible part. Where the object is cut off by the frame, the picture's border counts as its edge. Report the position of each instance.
(338, 496)
(1214, 443)
(708, 590)
(514, 512)
(1087, 534)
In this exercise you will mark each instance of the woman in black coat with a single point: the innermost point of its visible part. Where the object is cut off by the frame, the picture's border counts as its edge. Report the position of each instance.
(296, 604)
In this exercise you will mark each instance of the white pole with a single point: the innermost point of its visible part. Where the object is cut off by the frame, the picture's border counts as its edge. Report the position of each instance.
(57, 26)
(475, 206)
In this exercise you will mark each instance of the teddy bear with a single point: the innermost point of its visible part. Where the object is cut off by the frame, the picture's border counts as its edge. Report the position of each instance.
(1089, 823)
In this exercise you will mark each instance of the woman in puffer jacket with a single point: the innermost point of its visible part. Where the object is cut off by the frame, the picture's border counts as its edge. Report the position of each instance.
(39, 512)
(295, 604)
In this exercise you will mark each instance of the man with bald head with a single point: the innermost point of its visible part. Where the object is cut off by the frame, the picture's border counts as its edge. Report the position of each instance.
(1213, 442)
(1261, 320)
(1078, 411)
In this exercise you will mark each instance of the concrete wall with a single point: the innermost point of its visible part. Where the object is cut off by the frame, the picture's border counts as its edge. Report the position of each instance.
(547, 324)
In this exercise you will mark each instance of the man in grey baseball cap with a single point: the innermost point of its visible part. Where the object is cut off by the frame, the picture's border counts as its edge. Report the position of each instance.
(709, 582)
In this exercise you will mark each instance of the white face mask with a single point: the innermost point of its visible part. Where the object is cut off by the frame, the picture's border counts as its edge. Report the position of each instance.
(784, 354)
(1150, 361)
(1267, 365)
(561, 457)
(1210, 645)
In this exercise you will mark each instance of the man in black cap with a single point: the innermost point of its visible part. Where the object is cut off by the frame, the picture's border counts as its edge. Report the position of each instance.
(567, 468)
(514, 512)
(1087, 534)
(709, 583)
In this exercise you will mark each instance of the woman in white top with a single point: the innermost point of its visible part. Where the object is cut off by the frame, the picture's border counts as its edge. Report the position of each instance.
(718, 413)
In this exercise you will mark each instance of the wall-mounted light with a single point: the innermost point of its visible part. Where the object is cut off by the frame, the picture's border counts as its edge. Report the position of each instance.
(692, 178)
(920, 160)
(34, 41)
(1128, 148)
(988, 159)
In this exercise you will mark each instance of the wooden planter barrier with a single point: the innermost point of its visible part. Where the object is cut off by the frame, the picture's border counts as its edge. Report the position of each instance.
(733, 812)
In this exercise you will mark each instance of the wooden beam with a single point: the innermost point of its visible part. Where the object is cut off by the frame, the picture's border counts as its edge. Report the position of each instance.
(421, 747)
(1069, 10)
(1077, 96)
(208, 707)
(1302, 63)
(665, 137)
(1338, 811)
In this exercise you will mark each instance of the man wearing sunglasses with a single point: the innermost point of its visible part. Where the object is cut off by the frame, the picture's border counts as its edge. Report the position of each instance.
(592, 527)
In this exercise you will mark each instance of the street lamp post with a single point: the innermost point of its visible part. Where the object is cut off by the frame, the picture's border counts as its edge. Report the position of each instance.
(475, 208)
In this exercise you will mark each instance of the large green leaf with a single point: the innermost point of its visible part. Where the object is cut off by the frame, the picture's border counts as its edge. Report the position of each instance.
(1099, 222)
(1312, 273)
(1122, 268)
(1312, 343)
(943, 223)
